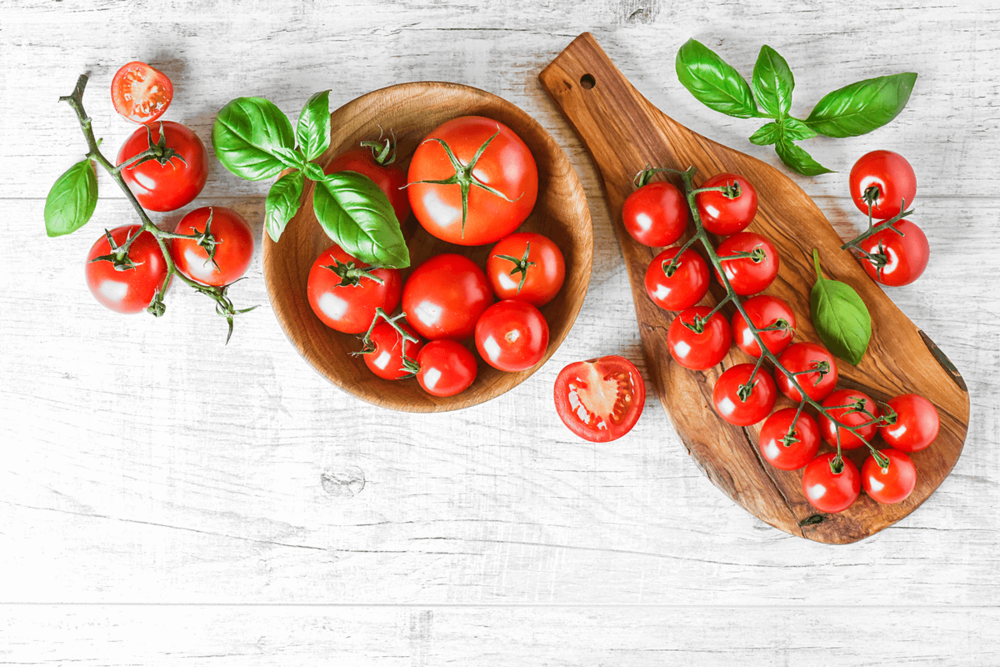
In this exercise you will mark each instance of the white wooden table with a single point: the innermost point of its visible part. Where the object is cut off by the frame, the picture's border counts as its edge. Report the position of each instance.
(166, 499)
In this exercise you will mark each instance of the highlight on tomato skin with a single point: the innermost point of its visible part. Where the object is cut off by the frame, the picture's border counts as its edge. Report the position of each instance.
(601, 399)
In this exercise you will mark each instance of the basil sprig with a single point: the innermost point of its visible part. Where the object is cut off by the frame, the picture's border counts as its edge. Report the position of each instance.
(71, 200)
(840, 316)
(848, 112)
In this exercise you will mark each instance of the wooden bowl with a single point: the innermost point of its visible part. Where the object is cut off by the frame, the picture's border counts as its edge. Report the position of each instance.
(412, 110)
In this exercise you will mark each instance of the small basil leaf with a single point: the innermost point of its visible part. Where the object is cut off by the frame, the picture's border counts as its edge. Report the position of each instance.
(863, 106)
(249, 134)
(766, 134)
(772, 83)
(71, 200)
(796, 130)
(798, 160)
(313, 130)
(840, 316)
(713, 81)
(282, 203)
(357, 215)
(314, 172)
(290, 157)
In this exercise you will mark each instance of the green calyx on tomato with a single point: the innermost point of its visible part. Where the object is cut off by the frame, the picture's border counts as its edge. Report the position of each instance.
(157, 150)
(351, 274)
(520, 265)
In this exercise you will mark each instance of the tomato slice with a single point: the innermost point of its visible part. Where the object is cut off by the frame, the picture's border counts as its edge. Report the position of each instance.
(600, 400)
(141, 93)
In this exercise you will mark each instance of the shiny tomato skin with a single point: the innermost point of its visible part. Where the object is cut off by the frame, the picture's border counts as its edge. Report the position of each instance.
(723, 216)
(699, 351)
(736, 411)
(889, 485)
(800, 357)
(512, 335)
(764, 311)
(506, 166)
(915, 425)
(828, 491)
(746, 276)
(387, 359)
(797, 454)
(170, 186)
(447, 368)
(600, 400)
(232, 254)
(131, 290)
(390, 178)
(687, 286)
(891, 174)
(545, 274)
(847, 416)
(444, 297)
(907, 255)
(656, 214)
(141, 93)
(350, 308)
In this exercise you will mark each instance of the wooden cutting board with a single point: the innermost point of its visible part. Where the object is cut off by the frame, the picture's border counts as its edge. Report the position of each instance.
(623, 132)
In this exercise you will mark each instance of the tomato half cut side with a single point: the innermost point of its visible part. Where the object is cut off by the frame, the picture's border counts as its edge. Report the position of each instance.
(600, 400)
(141, 93)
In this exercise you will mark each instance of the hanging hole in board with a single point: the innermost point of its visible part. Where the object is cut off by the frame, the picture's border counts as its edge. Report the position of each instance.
(588, 81)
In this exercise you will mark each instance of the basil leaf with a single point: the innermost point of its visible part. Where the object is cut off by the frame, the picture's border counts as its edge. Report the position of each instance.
(71, 200)
(766, 134)
(863, 106)
(357, 215)
(713, 81)
(249, 134)
(282, 203)
(795, 130)
(314, 172)
(798, 160)
(772, 83)
(313, 130)
(840, 316)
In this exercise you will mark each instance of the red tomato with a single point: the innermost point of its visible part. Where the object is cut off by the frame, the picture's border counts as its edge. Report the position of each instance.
(814, 369)
(892, 484)
(859, 417)
(387, 360)
(233, 246)
(830, 491)
(527, 267)
(512, 335)
(749, 275)
(389, 178)
(784, 448)
(739, 402)
(446, 368)
(892, 178)
(699, 351)
(686, 285)
(656, 214)
(444, 297)
(132, 289)
(176, 182)
(764, 311)
(913, 423)
(342, 294)
(141, 93)
(501, 185)
(600, 400)
(724, 216)
(903, 258)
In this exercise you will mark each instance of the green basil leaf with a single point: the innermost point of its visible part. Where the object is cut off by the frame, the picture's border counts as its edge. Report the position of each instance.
(313, 130)
(772, 83)
(357, 215)
(249, 134)
(713, 81)
(71, 200)
(863, 106)
(282, 203)
(766, 134)
(314, 172)
(798, 160)
(795, 130)
(840, 316)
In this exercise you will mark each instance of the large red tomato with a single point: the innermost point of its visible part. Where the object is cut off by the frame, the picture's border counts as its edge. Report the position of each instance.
(126, 289)
(444, 297)
(527, 267)
(512, 335)
(233, 246)
(344, 295)
(175, 182)
(388, 176)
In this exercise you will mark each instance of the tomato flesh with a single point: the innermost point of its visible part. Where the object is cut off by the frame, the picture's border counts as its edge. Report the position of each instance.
(600, 400)
(141, 93)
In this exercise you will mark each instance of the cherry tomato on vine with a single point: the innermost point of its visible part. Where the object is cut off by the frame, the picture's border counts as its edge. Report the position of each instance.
(749, 275)
(129, 290)
(903, 258)
(526, 267)
(893, 177)
(656, 214)
(501, 184)
(892, 484)
(600, 400)
(176, 182)
(817, 367)
(830, 491)
(444, 297)
(764, 311)
(512, 335)
(866, 411)
(913, 423)
(684, 287)
(141, 93)
(382, 169)
(446, 368)
(344, 295)
(233, 244)
(738, 401)
(721, 214)
(386, 361)
(694, 350)
(783, 449)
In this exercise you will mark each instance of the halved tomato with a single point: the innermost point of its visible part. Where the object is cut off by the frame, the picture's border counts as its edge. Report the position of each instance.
(141, 93)
(600, 400)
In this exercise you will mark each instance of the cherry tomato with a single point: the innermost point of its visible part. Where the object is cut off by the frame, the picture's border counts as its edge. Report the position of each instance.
(891, 174)
(830, 491)
(527, 267)
(444, 297)
(502, 183)
(821, 373)
(233, 246)
(913, 423)
(852, 416)
(740, 403)
(446, 368)
(892, 484)
(722, 215)
(387, 175)
(600, 400)
(386, 361)
(764, 311)
(699, 351)
(904, 258)
(656, 214)
(749, 275)
(132, 289)
(512, 335)
(173, 184)
(684, 287)
(141, 93)
(787, 450)
(344, 296)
